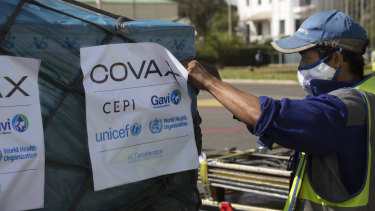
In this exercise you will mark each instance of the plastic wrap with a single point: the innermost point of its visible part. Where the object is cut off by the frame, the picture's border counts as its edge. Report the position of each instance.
(38, 31)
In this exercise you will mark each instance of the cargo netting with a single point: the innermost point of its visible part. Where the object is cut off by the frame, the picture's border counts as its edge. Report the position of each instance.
(54, 31)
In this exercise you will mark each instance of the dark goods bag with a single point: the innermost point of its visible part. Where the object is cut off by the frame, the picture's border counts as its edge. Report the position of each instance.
(54, 31)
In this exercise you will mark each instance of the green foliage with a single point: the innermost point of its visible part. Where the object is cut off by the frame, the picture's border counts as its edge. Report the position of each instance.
(262, 73)
(207, 16)
(219, 21)
(218, 48)
(274, 72)
(200, 12)
(225, 50)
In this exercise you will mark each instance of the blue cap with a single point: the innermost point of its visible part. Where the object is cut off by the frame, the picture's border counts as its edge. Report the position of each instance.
(328, 26)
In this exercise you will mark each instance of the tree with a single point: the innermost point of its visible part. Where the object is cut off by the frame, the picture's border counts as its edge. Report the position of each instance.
(200, 12)
(219, 20)
(218, 48)
(369, 24)
(363, 12)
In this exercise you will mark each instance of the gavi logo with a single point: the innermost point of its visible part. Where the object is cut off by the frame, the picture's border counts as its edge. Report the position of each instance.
(176, 97)
(19, 123)
(164, 101)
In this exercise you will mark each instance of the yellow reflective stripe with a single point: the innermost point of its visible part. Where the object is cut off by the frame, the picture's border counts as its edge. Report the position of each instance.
(368, 85)
(297, 181)
(204, 178)
(361, 199)
(203, 172)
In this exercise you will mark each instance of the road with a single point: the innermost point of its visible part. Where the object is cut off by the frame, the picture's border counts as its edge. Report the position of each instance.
(221, 131)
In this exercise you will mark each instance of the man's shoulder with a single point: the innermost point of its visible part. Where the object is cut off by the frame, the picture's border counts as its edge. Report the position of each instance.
(355, 104)
(344, 92)
(351, 94)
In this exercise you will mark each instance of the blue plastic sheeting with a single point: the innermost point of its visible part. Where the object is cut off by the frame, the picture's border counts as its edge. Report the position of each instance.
(56, 39)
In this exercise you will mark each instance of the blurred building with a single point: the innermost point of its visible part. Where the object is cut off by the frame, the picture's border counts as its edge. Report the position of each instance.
(138, 9)
(262, 20)
(267, 20)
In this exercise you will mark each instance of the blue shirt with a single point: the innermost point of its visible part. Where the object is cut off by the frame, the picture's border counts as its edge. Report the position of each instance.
(316, 125)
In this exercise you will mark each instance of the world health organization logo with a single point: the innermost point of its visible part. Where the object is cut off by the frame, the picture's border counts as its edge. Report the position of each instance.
(20, 123)
(176, 97)
(136, 129)
(156, 126)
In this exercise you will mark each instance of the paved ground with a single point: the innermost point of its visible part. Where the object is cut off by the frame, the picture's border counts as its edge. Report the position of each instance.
(221, 131)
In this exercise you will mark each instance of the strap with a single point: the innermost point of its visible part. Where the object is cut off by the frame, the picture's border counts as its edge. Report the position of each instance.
(4, 31)
(204, 179)
(162, 188)
(297, 184)
(80, 4)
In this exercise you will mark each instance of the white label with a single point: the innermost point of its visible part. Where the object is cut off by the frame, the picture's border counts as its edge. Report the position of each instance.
(139, 122)
(22, 156)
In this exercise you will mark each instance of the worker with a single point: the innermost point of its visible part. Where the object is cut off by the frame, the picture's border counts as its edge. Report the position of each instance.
(330, 128)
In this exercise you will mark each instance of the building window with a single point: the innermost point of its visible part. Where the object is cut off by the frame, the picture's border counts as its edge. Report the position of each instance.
(247, 2)
(259, 29)
(259, 2)
(282, 27)
(298, 24)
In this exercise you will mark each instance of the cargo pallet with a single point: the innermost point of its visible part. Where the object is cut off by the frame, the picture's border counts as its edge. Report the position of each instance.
(257, 171)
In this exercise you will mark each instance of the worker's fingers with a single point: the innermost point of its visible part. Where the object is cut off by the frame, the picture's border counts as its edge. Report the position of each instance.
(185, 64)
(195, 69)
(212, 69)
(198, 75)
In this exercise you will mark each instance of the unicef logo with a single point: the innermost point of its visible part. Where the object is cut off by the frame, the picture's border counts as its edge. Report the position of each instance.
(156, 126)
(135, 129)
(176, 97)
(20, 123)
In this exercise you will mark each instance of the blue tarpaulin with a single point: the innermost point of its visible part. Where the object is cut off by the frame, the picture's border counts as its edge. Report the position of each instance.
(54, 32)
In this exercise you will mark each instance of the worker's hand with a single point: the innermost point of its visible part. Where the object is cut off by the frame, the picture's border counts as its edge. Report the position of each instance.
(212, 69)
(199, 77)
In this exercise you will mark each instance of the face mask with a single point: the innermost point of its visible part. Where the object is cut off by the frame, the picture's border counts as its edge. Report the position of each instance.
(318, 70)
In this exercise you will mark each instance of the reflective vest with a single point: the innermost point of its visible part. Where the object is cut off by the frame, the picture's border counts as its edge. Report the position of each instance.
(373, 60)
(303, 195)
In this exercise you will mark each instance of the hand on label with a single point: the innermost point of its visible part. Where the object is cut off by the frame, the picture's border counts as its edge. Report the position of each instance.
(201, 74)
(212, 69)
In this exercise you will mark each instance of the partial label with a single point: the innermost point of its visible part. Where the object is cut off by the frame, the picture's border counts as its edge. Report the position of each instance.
(22, 157)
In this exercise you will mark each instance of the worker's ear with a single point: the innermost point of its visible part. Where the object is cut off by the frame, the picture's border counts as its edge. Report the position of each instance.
(336, 60)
